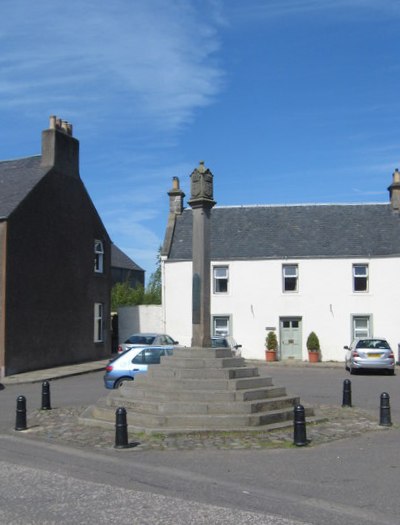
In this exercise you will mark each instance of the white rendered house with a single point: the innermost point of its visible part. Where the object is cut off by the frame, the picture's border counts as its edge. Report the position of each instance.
(330, 268)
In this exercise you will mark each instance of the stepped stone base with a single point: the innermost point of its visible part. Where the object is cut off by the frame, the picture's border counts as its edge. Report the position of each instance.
(198, 389)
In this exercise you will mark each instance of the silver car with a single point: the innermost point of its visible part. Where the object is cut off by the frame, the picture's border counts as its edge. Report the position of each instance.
(226, 342)
(369, 353)
(146, 339)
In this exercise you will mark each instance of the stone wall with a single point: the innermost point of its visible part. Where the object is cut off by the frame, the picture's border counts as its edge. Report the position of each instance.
(142, 318)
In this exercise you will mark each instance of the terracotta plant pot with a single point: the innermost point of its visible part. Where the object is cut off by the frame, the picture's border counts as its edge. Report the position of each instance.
(270, 355)
(313, 357)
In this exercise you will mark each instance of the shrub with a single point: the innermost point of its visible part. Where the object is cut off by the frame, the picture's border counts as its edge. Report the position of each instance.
(313, 342)
(271, 341)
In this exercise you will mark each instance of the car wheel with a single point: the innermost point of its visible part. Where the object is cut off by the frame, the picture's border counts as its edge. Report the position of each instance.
(390, 372)
(352, 371)
(119, 382)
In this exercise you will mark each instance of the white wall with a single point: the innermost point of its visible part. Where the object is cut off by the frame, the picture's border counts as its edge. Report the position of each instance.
(142, 318)
(325, 302)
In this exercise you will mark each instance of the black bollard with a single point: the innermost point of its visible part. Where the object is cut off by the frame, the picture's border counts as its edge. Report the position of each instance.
(20, 420)
(346, 393)
(299, 431)
(121, 429)
(46, 405)
(384, 415)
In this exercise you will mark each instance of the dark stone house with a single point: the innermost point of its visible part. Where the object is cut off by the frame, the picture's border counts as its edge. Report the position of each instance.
(123, 269)
(55, 260)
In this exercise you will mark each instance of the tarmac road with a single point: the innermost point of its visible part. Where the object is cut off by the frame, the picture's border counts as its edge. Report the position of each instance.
(348, 481)
(72, 487)
(331, 485)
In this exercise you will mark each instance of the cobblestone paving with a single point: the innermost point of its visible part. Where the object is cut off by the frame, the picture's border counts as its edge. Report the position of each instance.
(62, 426)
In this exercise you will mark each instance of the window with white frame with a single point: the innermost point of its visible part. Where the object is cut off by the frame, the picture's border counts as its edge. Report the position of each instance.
(361, 326)
(360, 277)
(98, 256)
(221, 325)
(221, 278)
(98, 322)
(290, 277)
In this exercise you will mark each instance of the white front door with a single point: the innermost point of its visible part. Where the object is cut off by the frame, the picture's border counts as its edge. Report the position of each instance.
(290, 337)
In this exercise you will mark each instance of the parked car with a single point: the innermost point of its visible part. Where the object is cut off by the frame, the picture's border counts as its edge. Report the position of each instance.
(369, 353)
(226, 342)
(148, 339)
(126, 366)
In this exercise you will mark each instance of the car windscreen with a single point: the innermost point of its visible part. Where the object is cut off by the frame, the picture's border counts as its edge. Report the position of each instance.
(373, 343)
(140, 340)
(219, 343)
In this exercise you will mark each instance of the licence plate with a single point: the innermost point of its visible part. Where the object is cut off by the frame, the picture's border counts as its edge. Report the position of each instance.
(374, 356)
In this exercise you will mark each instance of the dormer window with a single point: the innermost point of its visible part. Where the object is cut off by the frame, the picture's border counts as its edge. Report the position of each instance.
(98, 256)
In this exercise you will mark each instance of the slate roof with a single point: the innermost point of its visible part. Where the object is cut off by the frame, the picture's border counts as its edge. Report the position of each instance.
(119, 259)
(17, 179)
(298, 231)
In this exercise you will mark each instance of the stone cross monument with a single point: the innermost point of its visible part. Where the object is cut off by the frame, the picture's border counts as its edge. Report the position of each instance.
(201, 202)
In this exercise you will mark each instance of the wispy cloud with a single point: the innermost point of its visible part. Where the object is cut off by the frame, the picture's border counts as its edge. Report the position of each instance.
(130, 75)
(278, 8)
(151, 59)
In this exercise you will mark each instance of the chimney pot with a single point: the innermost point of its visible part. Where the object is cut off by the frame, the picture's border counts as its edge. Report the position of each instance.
(394, 191)
(60, 150)
(176, 197)
(52, 123)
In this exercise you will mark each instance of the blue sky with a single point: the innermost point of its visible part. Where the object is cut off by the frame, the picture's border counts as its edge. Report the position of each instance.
(286, 101)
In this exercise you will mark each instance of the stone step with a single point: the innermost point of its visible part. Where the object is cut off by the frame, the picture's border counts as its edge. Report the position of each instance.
(261, 393)
(159, 372)
(175, 361)
(215, 384)
(101, 414)
(132, 393)
(190, 408)
(197, 353)
(199, 421)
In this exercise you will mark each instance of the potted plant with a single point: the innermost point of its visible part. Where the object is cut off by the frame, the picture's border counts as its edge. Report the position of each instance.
(313, 348)
(271, 344)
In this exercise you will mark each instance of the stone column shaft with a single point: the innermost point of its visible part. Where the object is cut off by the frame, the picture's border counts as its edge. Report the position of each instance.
(201, 201)
(201, 278)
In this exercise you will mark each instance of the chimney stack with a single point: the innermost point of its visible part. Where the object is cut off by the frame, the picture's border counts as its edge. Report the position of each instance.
(394, 191)
(60, 151)
(176, 197)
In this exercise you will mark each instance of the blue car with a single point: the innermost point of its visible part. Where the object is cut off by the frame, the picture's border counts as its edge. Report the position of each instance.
(135, 361)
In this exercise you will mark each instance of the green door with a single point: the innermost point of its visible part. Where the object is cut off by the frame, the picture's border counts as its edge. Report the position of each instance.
(290, 336)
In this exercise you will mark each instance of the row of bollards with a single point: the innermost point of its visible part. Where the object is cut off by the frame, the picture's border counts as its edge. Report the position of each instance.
(121, 425)
(299, 429)
(384, 408)
(20, 420)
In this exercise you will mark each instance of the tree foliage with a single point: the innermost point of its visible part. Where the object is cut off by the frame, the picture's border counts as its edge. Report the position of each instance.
(153, 289)
(124, 295)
